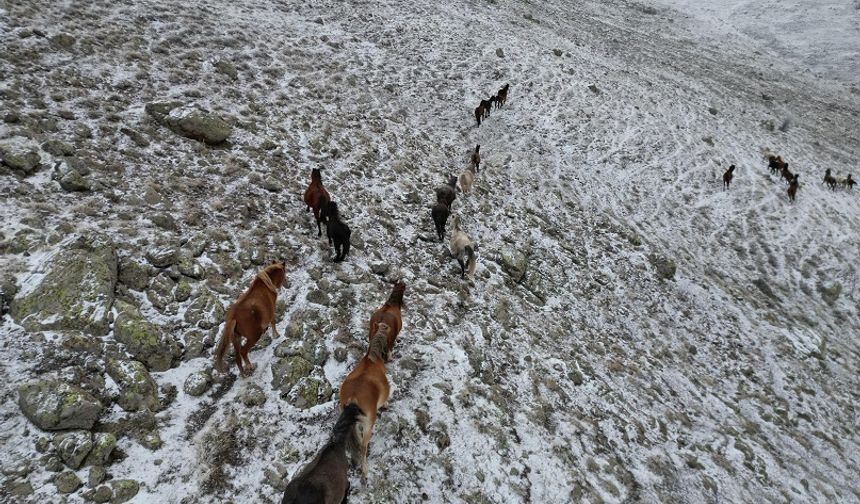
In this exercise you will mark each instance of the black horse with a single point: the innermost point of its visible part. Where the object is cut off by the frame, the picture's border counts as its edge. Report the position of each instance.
(337, 231)
(324, 480)
(440, 214)
(447, 192)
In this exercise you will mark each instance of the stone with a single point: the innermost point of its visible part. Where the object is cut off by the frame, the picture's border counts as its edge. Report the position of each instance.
(183, 291)
(137, 389)
(164, 221)
(55, 405)
(25, 163)
(62, 41)
(145, 341)
(226, 68)
(197, 344)
(96, 476)
(103, 446)
(73, 181)
(500, 52)
(198, 383)
(206, 311)
(77, 291)
(67, 482)
(135, 137)
(311, 348)
(665, 267)
(162, 257)
(514, 263)
(310, 391)
(58, 148)
(253, 395)
(124, 490)
(18, 488)
(102, 494)
(81, 343)
(159, 110)
(198, 125)
(73, 447)
(8, 289)
(288, 371)
(830, 292)
(134, 275)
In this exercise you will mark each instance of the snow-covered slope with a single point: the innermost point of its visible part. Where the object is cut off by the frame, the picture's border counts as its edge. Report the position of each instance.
(600, 376)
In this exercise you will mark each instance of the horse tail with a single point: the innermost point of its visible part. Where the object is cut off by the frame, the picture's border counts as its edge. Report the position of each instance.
(345, 423)
(471, 264)
(224, 342)
(360, 428)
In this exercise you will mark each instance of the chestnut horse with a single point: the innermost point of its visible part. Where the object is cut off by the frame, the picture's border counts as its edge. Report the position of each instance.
(367, 387)
(316, 197)
(324, 480)
(250, 316)
(502, 95)
(389, 314)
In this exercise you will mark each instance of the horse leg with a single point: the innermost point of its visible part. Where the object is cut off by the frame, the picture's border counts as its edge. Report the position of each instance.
(462, 268)
(245, 349)
(337, 251)
(364, 444)
(237, 351)
(274, 329)
(345, 493)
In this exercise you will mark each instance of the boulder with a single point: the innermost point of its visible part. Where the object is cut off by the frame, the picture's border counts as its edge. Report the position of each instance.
(137, 389)
(55, 405)
(288, 371)
(134, 274)
(206, 311)
(77, 291)
(124, 490)
(67, 482)
(665, 267)
(58, 148)
(514, 263)
(72, 176)
(253, 395)
(162, 257)
(310, 391)
(198, 125)
(198, 383)
(73, 447)
(26, 163)
(103, 445)
(145, 341)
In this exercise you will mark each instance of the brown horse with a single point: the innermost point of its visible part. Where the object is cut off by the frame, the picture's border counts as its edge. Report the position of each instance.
(727, 177)
(325, 480)
(476, 158)
(792, 188)
(502, 95)
(776, 164)
(848, 183)
(487, 105)
(479, 113)
(786, 173)
(389, 314)
(316, 197)
(250, 316)
(367, 387)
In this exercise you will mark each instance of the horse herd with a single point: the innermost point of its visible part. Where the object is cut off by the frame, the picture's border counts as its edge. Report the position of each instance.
(778, 166)
(484, 108)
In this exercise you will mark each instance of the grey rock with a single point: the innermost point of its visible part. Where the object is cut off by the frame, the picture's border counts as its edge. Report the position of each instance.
(206, 311)
(101, 494)
(310, 391)
(103, 446)
(311, 348)
(197, 344)
(73, 447)
(159, 110)
(67, 482)
(162, 257)
(124, 490)
(25, 163)
(8, 289)
(226, 68)
(134, 275)
(198, 125)
(96, 476)
(58, 148)
(54, 405)
(18, 487)
(665, 267)
(514, 263)
(830, 292)
(500, 53)
(144, 340)
(198, 383)
(288, 371)
(135, 137)
(253, 395)
(137, 389)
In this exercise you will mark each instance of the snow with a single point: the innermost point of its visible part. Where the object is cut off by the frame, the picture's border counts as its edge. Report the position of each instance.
(700, 388)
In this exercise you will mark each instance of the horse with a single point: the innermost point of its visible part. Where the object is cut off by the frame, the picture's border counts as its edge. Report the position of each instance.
(447, 192)
(337, 231)
(462, 249)
(479, 113)
(502, 95)
(727, 177)
(830, 180)
(487, 105)
(467, 178)
(786, 173)
(476, 158)
(776, 164)
(440, 213)
(389, 314)
(848, 183)
(250, 316)
(792, 188)
(367, 387)
(324, 480)
(316, 198)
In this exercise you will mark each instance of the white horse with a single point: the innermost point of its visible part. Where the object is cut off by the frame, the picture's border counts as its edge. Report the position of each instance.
(463, 250)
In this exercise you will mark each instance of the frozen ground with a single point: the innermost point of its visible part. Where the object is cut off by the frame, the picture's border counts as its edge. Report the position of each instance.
(594, 378)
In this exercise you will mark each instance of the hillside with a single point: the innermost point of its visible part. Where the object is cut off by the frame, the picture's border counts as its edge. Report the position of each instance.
(633, 333)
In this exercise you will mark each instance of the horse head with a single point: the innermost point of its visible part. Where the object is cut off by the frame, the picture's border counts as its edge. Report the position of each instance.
(316, 174)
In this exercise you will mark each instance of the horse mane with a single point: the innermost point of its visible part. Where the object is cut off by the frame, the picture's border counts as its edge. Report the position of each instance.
(396, 297)
(379, 343)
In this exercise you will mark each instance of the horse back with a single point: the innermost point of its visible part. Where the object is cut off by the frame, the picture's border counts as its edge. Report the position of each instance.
(366, 386)
(255, 308)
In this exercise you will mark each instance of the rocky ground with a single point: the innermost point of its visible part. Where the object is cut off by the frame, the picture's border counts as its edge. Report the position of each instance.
(633, 332)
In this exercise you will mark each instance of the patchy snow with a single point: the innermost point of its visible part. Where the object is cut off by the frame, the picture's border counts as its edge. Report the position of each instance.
(591, 380)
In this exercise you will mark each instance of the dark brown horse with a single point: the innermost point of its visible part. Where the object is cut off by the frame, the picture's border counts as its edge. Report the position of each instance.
(502, 95)
(786, 173)
(337, 231)
(792, 188)
(324, 480)
(479, 113)
(830, 180)
(487, 105)
(440, 214)
(316, 198)
(727, 177)
(367, 387)
(447, 192)
(848, 183)
(389, 314)
(250, 316)
(776, 164)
